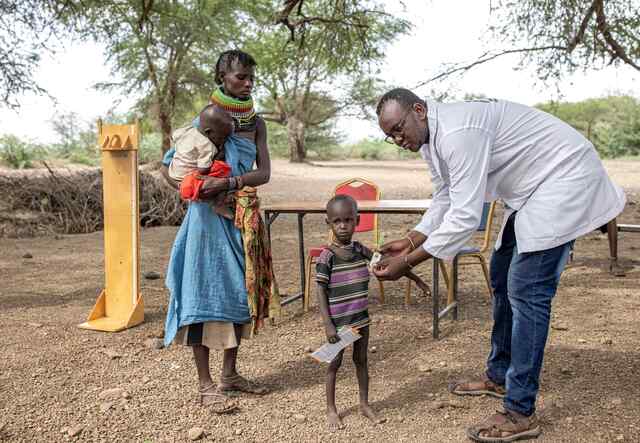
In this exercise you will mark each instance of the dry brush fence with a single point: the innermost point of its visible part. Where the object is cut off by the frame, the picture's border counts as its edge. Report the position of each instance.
(69, 201)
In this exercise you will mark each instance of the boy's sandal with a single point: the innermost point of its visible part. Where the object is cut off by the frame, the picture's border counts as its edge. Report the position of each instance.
(218, 402)
(504, 426)
(239, 383)
(483, 386)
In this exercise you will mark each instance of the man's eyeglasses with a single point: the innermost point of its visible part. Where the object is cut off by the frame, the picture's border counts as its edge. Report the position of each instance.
(397, 131)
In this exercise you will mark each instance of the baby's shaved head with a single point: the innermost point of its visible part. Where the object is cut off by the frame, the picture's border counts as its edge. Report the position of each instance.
(214, 117)
(216, 123)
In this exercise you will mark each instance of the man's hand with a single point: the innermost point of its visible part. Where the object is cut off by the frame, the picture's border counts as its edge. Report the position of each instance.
(396, 248)
(391, 268)
(332, 335)
(212, 186)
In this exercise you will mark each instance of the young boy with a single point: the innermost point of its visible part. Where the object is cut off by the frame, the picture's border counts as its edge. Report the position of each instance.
(342, 275)
(199, 151)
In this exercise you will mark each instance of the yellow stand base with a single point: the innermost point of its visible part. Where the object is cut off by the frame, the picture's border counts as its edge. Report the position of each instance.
(99, 321)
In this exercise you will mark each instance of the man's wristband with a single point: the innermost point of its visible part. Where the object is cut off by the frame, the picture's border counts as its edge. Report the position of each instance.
(413, 245)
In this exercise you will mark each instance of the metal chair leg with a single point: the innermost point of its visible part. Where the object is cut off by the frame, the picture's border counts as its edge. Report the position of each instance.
(445, 274)
(485, 269)
(450, 287)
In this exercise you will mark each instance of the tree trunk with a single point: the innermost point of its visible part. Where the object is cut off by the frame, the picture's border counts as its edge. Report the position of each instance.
(164, 118)
(295, 137)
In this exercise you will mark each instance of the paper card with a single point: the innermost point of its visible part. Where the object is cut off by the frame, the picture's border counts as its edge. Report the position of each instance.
(375, 258)
(328, 351)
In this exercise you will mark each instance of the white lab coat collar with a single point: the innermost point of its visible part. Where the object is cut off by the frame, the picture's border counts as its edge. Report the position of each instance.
(429, 148)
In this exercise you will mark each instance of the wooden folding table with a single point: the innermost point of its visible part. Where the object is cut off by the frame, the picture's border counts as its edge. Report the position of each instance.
(370, 207)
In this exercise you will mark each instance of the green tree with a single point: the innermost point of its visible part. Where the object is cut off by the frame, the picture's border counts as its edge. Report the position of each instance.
(163, 51)
(27, 31)
(611, 123)
(329, 70)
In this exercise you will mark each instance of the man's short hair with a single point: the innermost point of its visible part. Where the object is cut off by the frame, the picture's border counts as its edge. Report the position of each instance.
(404, 97)
(342, 198)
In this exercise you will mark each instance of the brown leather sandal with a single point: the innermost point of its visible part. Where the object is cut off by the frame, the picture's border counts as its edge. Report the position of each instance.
(464, 387)
(505, 426)
(218, 402)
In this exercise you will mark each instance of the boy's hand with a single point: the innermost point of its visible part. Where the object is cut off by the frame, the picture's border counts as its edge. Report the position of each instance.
(332, 335)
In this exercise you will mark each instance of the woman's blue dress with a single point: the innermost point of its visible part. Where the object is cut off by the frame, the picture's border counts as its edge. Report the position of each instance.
(206, 275)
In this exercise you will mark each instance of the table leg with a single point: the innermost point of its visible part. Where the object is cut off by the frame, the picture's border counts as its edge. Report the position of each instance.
(435, 296)
(269, 218)
(301, 251)
(267, 222)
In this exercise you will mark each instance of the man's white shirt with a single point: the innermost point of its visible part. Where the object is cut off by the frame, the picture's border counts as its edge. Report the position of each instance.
(536, 164)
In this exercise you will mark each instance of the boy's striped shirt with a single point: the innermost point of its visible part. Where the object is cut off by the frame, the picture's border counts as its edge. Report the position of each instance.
(347, 282)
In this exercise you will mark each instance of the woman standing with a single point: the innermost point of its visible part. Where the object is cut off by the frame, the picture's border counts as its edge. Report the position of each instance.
(209, 272)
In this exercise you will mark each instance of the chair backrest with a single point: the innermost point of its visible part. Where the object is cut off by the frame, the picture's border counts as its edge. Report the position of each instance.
(485, 217)
(361, 189)
(485, 223)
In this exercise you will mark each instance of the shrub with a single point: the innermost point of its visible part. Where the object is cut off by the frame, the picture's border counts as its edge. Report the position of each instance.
(19, 154)
(150, 149)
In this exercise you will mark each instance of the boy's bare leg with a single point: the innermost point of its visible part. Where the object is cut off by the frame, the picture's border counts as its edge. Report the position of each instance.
(333, 418)
(360, 358)
(612, 234)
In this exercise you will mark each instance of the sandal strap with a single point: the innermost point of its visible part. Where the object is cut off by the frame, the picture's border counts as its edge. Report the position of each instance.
(206, 389)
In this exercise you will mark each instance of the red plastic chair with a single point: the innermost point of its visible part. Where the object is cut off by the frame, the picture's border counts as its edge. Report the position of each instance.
(359, 189)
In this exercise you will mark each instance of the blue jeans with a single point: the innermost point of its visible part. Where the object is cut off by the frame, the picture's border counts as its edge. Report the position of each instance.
(523, 286)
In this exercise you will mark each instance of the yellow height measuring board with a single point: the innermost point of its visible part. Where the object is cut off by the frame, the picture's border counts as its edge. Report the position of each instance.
(120, 305)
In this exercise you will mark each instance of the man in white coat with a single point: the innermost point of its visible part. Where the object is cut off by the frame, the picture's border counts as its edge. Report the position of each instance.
(554, 188)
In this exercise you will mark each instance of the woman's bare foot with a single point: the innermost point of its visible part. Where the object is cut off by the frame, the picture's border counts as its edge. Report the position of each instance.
(334, 421)
(368, 412)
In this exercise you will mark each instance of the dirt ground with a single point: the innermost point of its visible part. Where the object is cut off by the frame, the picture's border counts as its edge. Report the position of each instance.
(53, 375)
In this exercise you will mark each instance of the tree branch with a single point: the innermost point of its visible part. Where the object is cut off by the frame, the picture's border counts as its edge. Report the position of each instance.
(603, 28)
(583, 27)
(487, 57)
(350, 20)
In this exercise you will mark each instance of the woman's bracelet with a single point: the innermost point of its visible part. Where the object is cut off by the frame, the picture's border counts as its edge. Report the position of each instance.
(233, 184)
(239, 183)
(406, 262)
(413, 245)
